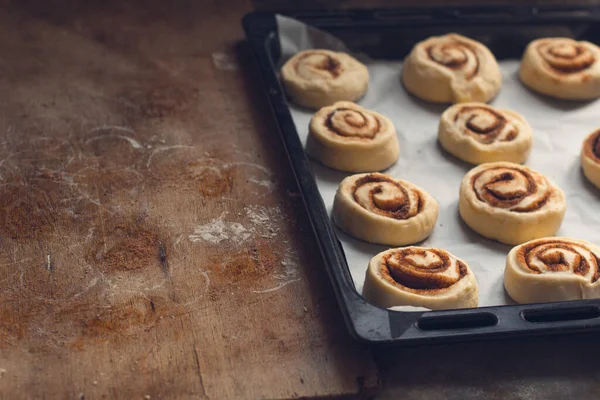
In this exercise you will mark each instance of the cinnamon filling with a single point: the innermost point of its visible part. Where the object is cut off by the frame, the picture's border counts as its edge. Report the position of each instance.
(422, 270)
(552, 254)
(354, 123)
(566, 58)
(484, 124)
(321, 62)
(387, 197)
(331, 65)
(591, 147)
(455, 55)
(495, 194)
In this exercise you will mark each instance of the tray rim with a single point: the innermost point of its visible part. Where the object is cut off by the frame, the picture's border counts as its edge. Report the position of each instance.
(365, 321)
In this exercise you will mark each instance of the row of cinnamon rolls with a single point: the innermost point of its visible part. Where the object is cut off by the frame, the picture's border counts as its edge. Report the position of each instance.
(449, 69)
(541, 270)
(503, 201)
(348, 137)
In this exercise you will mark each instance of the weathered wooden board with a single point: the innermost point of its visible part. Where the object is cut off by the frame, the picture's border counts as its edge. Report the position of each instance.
(151, 240)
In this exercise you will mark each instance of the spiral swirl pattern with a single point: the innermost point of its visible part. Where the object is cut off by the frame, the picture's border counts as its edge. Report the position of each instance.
(318, 65)
(455, 55)
(512, 188)
(559, 255)
(422, 269)
(381, 195)
(350, 122)
(566, 56)
(485, 124)
(591, 146)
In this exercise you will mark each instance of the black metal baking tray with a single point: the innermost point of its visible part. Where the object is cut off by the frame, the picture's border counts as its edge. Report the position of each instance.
(390, 34)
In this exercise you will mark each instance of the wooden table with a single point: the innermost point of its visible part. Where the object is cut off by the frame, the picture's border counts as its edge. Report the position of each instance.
(153, 243)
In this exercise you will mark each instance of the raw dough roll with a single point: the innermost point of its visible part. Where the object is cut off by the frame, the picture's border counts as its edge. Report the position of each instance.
(451, 69)
(562, 68)
(350, 138)
(318, 78)
(478, 133)
(379, 209)
(420, 277)
(590, 158)
(553, 269)
(510, 203)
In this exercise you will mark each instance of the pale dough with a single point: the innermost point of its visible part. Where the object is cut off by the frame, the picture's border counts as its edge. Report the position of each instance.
(478, 133)
(562, 68)
(350, 138)
(553, 269)
(451, 69)
(319, 78)
(380, 209)
(590, 158)
(420, 277)
(510, 203)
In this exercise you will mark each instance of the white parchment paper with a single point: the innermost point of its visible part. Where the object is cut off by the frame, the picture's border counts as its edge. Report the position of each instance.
(559, 129)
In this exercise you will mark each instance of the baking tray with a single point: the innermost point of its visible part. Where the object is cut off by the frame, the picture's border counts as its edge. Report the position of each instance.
(390, 34)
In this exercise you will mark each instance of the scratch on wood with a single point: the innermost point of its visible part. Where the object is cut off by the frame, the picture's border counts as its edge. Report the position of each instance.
(199, 370)
(164, 263)
(49, 265)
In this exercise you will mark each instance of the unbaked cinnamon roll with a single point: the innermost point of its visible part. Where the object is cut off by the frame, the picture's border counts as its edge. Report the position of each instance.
(510, 203)
(318, 78)
(350, 138)
(590, 158)
(562, 68)
(420, 277)
(380, 209)
(553, 269)
(478, 133)
(451, 69)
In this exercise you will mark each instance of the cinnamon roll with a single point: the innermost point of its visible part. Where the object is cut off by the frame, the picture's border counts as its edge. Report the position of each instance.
(562, 68)
(451, 69)
(553, 269)
(379, 209)
(318, 78)
(590, 158)
(510, 203)
(478, 133)
(350, 138)
(420, 277)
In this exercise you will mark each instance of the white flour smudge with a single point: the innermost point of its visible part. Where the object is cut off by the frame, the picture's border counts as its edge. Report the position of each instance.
(270, 185)
(224, 61)
(218, 230)
(263, 220)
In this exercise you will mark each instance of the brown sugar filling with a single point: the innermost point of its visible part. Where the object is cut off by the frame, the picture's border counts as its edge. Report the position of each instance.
(400, 270)
(555, 261)
(505, 199)
(355, 119)
(454, 61)
(566, 58)
(591, 147)
(398, 207)
(329, 63)
(485, 133)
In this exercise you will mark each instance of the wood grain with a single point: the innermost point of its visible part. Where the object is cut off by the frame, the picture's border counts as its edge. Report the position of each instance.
(152, 242)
